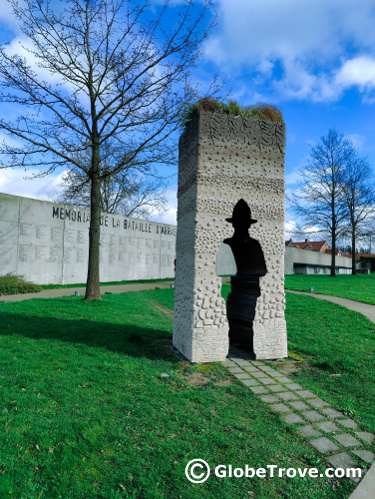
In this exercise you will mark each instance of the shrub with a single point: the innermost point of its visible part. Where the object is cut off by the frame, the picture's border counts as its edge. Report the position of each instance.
(266, 112)
(11, 284)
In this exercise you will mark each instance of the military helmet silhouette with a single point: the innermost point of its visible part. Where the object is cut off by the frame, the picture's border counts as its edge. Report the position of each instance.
(241, 214)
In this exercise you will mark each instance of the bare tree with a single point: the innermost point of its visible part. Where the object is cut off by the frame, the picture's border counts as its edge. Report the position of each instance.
(319, 200)
(108, 80)
(359, 192)
(127, 193)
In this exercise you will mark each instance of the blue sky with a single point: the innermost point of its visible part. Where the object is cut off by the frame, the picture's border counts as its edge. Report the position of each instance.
(315, 59)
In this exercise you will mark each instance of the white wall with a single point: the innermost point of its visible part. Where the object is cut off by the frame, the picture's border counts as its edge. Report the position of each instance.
(47, 243)
(312, 258)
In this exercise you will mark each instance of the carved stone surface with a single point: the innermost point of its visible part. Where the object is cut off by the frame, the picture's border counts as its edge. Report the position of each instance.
(223, 159)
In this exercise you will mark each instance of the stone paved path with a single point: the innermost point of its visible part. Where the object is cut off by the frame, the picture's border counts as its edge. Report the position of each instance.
(330, 432)
(116, 288)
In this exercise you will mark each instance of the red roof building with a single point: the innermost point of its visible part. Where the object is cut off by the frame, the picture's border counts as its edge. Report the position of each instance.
(321, 246)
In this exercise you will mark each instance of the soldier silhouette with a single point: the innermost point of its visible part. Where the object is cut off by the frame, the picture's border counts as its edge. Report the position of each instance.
(245, 289)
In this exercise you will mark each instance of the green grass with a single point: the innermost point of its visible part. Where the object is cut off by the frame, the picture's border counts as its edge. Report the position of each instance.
(354, 287)
(85, 412)
(337, 346)
(332, 340)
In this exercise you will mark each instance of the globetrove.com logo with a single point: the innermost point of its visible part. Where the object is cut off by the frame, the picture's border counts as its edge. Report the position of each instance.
(198, 471)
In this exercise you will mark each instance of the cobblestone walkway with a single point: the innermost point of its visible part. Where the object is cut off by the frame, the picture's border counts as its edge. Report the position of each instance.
(333, 434)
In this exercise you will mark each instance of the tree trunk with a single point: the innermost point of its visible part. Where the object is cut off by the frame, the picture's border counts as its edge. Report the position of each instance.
(93, 280)
(333, 259)
(354, 270)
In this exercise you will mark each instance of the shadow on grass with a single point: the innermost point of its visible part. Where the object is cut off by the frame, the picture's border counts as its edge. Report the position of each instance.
(128, 339)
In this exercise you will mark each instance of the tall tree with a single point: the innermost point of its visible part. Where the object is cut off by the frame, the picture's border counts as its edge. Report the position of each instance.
(319, 200)
(359, 192)
(126, 193)
(108, 80)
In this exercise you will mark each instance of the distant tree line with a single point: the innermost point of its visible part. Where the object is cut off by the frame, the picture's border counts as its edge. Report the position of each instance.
(336, 193)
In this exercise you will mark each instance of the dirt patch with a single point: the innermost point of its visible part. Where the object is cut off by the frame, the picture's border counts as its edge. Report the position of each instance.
(288, 367)
(225, 382)
(162, 309)
(197, 378)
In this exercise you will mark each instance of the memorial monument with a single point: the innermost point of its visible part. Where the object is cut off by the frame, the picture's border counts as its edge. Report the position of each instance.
(47, 243)
(245, 288)
(223, 159)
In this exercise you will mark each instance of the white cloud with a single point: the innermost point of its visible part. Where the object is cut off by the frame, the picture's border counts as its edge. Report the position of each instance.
(6, 15)
(289, 229)
(22, 47)
(20, 183)
(359, 71)
(170, 215)
(305, 47)
(292, 178)
(357, 140)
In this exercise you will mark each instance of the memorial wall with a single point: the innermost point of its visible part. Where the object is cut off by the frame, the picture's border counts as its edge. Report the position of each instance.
(47, 243)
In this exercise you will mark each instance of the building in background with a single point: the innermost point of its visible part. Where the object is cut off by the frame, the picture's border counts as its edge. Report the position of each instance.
(313, 257)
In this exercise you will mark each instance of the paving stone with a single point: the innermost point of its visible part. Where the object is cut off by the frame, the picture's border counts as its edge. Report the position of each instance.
(343, 460)
(332, 413)
(234, 356)
(251, 369)
(299, 405)
(267, 381)
(248, 356)
(295, 386)
(317, 403)
(312, 415)
(258, 374)
(328, 426)
(280, 407)
(228, 363)
(271, 372)
(305, 394)
(283, 379)
(241, 375)
(347, 440)
(293, 419)
(288, 396)
(277, 388)
(257, 363)
(235, 369)
(323, 445)
(249, 382)
(242, 362)
(365, 455)
(269, 398)
(308, 431)
(349, 423)
(367, 437)
(258, 389)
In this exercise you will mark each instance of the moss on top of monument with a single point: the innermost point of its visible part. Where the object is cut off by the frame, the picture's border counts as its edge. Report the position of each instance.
(263, 111)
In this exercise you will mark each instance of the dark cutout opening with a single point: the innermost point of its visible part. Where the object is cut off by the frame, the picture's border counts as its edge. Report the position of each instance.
(245, 289)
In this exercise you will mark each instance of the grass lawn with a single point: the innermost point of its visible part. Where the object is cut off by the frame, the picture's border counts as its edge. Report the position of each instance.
(354, 287)
(86, 412)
